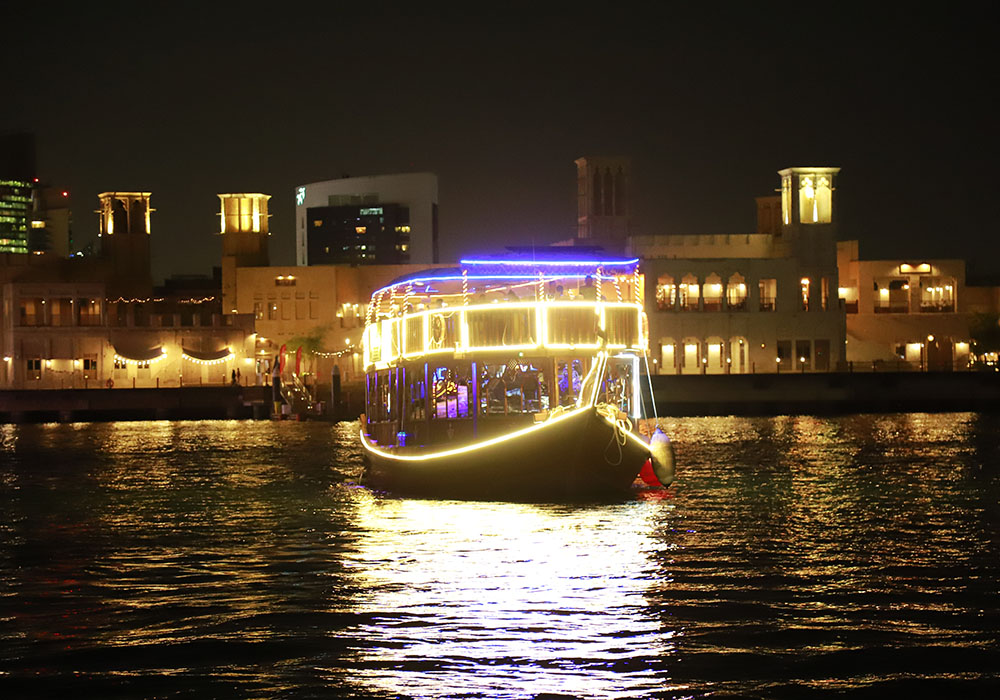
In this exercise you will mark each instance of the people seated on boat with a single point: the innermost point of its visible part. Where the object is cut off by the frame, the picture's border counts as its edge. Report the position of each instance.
(511, 294)
(530, 392)
(588, 292)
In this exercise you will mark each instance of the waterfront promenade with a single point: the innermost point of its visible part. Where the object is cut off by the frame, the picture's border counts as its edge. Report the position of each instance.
(834, 393)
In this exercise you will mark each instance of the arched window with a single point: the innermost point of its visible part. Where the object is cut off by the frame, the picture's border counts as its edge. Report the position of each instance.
(666, 293)
(712, 293)
(815, 200)
(736, 293)
(690, 356)
(689, 293)
(714, 357)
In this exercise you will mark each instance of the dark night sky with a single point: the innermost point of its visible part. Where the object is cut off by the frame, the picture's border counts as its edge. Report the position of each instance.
(188, 102)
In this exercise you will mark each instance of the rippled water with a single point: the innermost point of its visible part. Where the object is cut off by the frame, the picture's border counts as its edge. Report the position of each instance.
(795, 557)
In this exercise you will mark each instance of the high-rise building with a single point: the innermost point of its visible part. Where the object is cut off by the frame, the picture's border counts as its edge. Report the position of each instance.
(408, 217)
(358, 235)
(15, 212)
(17, 172)
(51, 222)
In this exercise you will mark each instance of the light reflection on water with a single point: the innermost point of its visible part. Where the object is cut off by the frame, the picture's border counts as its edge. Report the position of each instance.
(795, 556)
(525, 599)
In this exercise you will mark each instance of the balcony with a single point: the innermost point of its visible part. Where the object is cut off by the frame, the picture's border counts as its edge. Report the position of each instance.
(881, 308)
(937, 307)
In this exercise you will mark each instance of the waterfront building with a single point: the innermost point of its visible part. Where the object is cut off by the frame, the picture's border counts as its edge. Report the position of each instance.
(398, 215)
(906, 313)
(88, 321)
(752, 302)
(320, 308)
(66, 334)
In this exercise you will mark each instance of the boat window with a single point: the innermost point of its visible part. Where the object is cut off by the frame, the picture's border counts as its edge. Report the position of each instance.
(515, 386)
(443, 333)
(451, 389)
(416, 393)
(379, 396)
(570, 378)
(617, 384)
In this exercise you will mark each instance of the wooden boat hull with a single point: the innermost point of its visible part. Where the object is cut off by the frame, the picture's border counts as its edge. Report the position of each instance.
(578, 456)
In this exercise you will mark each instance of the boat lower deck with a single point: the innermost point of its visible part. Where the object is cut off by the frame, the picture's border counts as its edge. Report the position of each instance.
(581, 454)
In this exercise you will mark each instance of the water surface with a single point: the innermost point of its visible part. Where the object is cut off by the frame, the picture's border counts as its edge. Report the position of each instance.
(795, 557)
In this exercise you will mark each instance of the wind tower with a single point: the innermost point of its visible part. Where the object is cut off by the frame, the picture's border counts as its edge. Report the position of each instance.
(603, 211)
(809, 215)
(808, 233)
(124, 234)
(244, 229)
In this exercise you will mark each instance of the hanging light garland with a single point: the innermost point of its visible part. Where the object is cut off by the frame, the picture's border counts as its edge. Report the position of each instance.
(217, 361)
(350, 349)
(131, 361)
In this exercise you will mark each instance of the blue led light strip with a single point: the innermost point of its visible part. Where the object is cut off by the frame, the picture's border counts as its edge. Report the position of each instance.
(536, 263)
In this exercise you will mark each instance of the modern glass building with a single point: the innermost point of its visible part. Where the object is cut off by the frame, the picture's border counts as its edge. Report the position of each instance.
(15, 214)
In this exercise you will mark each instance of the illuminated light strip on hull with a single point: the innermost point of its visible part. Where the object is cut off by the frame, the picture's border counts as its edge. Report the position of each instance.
(479, 445)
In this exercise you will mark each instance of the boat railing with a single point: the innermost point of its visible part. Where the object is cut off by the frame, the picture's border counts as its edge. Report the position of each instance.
(519, 326)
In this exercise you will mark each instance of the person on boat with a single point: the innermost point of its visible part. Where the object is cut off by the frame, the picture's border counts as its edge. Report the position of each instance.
(511, 294)
(588, 292)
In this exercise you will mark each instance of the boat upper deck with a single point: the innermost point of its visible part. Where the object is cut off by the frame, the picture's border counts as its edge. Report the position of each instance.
(504, 305)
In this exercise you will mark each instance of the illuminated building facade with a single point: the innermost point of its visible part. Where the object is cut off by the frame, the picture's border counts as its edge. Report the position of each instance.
(358, 235)
(758, 302)
(412, 194)
(243, 223)
(323, 306)
(17, 173)
(63, 334)
(125, 228)
(908, 314)
(15, 213)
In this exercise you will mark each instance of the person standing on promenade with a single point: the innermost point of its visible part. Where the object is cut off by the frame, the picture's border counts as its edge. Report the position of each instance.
(276, 384)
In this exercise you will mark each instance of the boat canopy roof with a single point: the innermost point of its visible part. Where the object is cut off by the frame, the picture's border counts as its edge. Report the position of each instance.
(516, 266)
